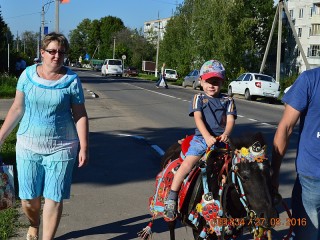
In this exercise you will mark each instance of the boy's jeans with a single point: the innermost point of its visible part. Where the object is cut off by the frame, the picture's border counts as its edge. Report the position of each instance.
(306, 204)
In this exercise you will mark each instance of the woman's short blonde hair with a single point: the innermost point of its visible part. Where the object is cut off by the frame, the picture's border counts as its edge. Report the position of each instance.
(53, 36)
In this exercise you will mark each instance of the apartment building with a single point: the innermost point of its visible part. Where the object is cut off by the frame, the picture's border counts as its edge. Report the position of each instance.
(305, 15)
(154, 28)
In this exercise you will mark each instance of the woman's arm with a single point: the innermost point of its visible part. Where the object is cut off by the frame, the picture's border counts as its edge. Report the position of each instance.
(81, 119)
(13, 117)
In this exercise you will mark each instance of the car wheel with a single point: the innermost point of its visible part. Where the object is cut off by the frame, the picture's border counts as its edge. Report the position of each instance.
(184, 84)
(194, 85)
(230, 91)
(247, 95)
(271, 100)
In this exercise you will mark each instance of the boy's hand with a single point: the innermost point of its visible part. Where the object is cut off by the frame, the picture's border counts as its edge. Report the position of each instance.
(224, 138)
(210, 141)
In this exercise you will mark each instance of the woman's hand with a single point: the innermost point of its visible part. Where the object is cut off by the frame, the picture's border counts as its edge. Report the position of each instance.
(83, 158)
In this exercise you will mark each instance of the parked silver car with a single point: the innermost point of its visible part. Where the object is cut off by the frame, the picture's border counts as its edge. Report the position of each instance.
(192, 79)
(253, 85)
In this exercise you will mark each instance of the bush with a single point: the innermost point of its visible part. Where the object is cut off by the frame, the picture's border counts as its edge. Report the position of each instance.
(7, 86)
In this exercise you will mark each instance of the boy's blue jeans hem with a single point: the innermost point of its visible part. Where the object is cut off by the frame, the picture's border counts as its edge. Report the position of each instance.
(306, 205)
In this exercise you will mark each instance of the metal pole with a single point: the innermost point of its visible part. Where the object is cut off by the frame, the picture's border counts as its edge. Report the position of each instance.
(269, 40)
(57, 17)
(279, 42)
(8, 56)
(296, 37)
(42, 23)
(114, 47)
(158, 43)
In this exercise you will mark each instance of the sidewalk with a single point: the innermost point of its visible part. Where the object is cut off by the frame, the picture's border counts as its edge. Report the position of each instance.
(5, 105)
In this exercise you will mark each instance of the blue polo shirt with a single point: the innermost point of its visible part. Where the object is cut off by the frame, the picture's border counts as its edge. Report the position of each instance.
(304, 96)
(214, 111)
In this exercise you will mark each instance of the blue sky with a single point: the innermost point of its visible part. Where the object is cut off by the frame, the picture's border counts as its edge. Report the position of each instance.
(25, 15)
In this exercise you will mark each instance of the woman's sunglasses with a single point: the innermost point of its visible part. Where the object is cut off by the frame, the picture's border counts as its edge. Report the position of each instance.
(54, 52)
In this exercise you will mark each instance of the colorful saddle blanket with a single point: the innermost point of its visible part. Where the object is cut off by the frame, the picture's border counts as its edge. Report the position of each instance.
(164, 180)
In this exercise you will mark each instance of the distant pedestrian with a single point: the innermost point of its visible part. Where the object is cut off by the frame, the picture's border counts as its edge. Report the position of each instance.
(23, 65)
(18, 67)
(162, 79)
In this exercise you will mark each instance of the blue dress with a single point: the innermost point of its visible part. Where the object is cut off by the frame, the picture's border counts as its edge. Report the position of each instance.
(47, 124)
(47, 139)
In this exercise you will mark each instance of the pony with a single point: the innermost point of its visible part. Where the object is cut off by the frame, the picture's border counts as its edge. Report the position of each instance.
(227, 191)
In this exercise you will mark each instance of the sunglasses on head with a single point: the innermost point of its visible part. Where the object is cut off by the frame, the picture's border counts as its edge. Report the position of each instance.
(54, 52)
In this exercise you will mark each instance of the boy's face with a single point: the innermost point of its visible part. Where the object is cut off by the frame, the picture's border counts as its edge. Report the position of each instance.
(211, 86)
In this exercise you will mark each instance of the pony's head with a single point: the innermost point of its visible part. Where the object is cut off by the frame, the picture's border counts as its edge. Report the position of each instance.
(250, 179)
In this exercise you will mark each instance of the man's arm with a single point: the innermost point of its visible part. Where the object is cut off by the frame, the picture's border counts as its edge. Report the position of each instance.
(281, 140)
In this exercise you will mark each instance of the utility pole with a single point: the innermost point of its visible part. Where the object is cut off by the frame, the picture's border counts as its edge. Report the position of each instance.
(280, 8)
(158, 44)
(42, 23)
(56, 29)
(114, 47)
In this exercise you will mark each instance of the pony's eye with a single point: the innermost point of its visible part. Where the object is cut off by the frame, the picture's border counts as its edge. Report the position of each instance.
(245, 177)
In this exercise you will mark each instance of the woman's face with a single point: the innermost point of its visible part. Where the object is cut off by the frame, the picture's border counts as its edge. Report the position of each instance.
(53, 55)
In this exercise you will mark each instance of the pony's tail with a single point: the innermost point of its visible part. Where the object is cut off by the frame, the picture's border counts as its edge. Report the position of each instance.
(146, 233)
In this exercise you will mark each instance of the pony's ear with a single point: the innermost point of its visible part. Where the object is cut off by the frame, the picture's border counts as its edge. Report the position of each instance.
(246, 140)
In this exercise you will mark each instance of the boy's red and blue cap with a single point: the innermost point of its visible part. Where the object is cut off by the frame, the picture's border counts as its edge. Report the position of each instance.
(212, 68)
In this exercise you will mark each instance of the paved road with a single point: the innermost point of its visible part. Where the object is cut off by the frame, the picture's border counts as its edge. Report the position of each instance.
(122, 167)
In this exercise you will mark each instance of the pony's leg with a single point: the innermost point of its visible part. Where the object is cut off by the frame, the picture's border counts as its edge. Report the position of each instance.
(172, 226)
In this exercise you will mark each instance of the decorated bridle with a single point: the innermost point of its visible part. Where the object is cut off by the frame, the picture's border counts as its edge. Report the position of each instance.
(255, 153)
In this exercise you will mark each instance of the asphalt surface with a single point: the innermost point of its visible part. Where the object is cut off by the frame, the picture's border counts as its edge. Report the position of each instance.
(98, 208)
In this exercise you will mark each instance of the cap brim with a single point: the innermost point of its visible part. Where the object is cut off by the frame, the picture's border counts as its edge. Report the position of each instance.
(212, 75)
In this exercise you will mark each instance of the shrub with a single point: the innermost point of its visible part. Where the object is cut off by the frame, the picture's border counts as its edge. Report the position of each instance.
(7, 86)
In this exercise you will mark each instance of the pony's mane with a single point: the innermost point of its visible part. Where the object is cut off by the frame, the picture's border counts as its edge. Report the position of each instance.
(247, 140)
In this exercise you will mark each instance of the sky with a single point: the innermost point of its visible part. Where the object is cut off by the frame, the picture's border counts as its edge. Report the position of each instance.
(25, 15)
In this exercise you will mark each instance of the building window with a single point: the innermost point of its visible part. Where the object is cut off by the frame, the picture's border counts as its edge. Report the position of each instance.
(301, 13)
(316, 9)
(315, 29)
(299, 32)
(314, 51)
(291, 14)
(311, 11)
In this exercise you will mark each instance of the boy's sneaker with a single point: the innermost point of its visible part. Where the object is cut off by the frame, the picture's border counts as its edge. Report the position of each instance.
(170, 209)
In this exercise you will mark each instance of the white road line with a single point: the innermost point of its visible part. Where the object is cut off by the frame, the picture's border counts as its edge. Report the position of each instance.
(253, 120)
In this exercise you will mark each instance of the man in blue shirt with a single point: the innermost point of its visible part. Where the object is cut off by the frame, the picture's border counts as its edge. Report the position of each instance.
(302, 101)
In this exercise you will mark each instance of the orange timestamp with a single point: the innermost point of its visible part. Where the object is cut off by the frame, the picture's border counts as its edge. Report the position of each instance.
(276, 222)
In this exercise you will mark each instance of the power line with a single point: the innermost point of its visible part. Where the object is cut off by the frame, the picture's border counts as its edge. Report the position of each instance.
(22, 15)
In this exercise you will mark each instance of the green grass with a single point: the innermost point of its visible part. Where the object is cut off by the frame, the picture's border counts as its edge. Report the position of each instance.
(7, 86)
(8, 223)
(9, 217)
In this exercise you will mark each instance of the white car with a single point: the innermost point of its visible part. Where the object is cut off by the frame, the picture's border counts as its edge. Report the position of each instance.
(112, 67)
(170, 74)
(253, 85)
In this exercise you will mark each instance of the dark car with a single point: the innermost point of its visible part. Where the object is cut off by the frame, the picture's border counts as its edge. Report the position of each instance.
(130, 71)
(97, 67)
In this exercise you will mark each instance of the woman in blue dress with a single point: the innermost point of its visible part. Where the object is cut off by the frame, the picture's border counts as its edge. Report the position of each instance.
(53, 131)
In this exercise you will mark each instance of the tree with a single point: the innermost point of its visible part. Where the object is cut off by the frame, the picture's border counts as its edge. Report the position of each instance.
(134, 46)
(233, 32)
(5, 38)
